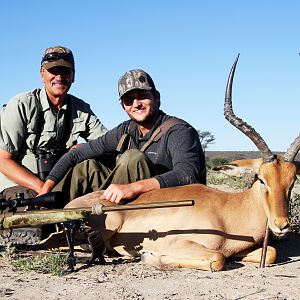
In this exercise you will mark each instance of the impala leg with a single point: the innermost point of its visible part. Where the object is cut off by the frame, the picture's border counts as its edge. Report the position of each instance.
(186, 254)
(107, 226)
(100, 227)
(254, 255)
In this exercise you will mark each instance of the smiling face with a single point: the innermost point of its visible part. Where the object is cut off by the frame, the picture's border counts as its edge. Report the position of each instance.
(58, 81)
(142, 106)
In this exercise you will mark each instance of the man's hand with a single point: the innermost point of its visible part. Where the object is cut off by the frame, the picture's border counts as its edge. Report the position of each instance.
(47, 187)
(117, 193)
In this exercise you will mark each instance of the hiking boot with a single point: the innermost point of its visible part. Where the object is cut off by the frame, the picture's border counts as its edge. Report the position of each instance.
(21, 236)
(97, 247)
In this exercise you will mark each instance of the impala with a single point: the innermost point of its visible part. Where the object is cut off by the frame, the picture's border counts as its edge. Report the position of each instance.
(219, 225)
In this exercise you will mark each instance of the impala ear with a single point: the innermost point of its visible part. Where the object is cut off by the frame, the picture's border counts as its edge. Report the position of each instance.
(240, 167)
(250, 164)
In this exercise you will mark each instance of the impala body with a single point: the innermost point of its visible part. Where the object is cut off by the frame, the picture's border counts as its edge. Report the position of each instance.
(219, 225)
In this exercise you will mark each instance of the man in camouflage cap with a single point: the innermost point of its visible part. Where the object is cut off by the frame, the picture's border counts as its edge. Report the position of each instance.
(150, 151)
(44, 122)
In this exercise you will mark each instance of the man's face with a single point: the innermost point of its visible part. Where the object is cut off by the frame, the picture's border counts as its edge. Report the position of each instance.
(57, 80)
(141, 106)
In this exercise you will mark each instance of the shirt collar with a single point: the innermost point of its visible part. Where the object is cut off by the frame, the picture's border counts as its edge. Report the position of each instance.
(45, 103)
(44, 100)
(160, 116)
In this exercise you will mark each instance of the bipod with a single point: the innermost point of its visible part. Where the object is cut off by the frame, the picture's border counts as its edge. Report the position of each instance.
(71, 227)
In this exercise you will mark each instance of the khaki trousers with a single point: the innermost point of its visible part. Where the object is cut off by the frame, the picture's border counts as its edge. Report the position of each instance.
(90, 175)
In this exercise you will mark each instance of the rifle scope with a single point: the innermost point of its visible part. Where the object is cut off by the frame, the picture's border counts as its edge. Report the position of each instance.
(49, 200)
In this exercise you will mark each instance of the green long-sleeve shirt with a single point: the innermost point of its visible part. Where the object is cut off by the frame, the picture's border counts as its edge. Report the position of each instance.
(21, 123)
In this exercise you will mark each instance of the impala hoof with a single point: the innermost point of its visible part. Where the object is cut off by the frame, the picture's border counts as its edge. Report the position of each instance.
(150, 258)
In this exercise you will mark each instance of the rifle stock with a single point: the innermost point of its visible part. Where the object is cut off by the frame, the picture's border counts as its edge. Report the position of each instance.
(53, 216)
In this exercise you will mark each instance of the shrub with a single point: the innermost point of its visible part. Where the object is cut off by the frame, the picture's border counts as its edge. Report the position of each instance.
(237, 183)
(53, 264)
(217, 161)
(294, 212)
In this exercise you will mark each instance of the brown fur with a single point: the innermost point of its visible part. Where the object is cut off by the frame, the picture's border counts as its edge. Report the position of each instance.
(219, 225)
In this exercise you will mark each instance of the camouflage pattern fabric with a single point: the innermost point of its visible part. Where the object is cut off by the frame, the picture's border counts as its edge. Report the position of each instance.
(135, 79)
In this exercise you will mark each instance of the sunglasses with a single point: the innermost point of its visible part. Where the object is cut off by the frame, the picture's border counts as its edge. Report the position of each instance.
(53, 56)
(128, 100)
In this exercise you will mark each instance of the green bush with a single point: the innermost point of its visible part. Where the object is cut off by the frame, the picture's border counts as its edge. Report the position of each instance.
(294, 212)
(217, 161)
(238, 183)
(53, 263)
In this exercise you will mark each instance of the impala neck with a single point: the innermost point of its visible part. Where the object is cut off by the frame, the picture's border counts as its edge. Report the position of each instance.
(251, 212)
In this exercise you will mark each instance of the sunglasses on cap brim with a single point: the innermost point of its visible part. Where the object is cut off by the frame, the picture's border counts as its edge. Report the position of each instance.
(54, 56)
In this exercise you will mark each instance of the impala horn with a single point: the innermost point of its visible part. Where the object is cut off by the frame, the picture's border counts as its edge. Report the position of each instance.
(264, 150)
(292, 151)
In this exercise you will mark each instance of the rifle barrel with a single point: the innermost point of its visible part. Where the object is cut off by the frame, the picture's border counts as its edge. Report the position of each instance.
(141, 206)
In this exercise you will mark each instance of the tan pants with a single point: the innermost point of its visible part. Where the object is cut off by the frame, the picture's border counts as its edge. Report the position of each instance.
(11, 193)
(90, 175)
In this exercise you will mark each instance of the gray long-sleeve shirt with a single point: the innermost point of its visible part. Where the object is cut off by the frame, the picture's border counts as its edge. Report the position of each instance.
(177, 156)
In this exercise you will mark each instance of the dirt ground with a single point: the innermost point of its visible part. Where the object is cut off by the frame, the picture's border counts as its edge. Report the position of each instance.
(127, 279)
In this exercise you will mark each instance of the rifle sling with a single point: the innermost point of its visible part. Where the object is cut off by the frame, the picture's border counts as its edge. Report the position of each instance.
(157, 134)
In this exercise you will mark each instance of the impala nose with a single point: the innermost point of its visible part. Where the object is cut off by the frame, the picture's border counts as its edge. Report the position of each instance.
(282, 227)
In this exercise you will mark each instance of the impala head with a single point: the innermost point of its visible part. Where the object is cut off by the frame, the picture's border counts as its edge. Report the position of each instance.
(275, 175)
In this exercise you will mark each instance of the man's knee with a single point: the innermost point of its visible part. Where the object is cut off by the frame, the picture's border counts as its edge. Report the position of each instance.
(85, 166)
(12, 192)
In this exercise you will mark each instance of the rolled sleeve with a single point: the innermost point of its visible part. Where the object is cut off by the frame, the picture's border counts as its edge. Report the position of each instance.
(14, 124)
(85, 123)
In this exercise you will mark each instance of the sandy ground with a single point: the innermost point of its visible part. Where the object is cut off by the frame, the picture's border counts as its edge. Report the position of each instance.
(125, 279)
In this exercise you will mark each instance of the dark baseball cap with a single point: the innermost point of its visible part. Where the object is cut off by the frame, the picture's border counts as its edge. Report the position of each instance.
(58, 56)
(135, 79)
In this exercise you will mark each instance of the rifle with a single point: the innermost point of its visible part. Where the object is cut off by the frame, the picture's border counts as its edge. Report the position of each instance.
(49, 200)
(73, 218)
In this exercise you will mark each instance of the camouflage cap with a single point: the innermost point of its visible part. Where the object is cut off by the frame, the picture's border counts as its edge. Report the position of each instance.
(135, 79)
(58, 56)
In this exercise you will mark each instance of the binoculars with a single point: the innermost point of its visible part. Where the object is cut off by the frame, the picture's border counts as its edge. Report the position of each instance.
(46, 160)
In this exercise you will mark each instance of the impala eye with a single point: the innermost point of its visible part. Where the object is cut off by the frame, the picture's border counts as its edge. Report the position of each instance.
(261, 181)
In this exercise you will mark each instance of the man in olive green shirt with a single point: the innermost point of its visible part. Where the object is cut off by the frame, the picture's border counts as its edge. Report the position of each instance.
(47, 121)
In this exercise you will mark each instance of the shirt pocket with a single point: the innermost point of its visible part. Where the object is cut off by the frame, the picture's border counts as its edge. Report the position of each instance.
(78, 126)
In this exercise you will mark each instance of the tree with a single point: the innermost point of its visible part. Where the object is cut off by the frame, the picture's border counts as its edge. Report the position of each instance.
(206, 138)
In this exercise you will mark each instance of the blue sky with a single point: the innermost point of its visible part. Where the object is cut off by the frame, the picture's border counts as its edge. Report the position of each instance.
(188, 48)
